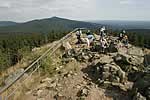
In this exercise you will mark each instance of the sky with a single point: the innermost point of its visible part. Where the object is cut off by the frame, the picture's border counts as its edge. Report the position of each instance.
(25, 10)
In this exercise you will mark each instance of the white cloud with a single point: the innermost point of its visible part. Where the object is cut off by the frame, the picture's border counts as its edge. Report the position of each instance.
(127, 2)
(30, 9)
(5, 5)
(24, 10)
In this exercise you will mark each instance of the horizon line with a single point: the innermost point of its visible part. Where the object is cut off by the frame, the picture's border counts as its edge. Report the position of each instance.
(76, 19)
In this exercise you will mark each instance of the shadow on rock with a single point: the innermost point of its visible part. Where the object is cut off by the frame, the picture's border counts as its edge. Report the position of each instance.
(117, 94)
(95, 74)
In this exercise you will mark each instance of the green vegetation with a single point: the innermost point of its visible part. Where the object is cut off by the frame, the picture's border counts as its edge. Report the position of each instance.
(47, 66)
(139, 37)
(13, 47)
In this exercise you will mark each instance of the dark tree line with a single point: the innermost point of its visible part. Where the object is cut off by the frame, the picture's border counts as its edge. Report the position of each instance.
(139, 40)
(14, 45)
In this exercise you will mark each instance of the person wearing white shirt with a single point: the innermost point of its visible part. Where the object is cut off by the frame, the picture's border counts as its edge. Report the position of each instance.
(78, 34)
(102, 32)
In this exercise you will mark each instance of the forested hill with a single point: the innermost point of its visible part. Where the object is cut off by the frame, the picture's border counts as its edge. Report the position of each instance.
(47, 25)
(19, 39)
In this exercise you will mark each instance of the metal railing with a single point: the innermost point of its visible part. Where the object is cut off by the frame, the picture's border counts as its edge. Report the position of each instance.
(34, 66)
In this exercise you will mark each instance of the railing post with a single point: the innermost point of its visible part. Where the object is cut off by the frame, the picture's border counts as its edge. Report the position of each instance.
(38, 65)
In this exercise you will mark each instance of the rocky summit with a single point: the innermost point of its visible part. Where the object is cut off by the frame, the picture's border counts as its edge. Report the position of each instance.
(87, 74)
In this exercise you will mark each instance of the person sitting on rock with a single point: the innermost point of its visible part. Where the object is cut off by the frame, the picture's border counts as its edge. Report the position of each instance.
(90, 38)
(78, 34)
(104, 44)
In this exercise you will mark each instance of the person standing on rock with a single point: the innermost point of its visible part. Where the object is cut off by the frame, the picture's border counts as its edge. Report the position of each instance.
(104, 44)
(90, 38)
(121, 35)
(125, 41)
(78, 34)
(102, 32)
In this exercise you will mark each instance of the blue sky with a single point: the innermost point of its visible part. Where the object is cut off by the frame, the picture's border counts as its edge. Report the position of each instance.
(24, 10)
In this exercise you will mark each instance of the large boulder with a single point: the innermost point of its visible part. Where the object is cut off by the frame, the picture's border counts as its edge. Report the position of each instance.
(147, 92)
(83, 55)
(147, 59)
(113, 73)
(135, 51)
(84, 91)
(128, 59)
(138, 96)
(112, 47)
(143, 81)
(104, 60)
(143, 84)
(67, 45)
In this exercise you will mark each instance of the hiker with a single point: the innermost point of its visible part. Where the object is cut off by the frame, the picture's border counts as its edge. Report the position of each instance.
(104, 45)
(102, 32)
(90, 38)
(121, 35)
(78, 34)
(125, 41)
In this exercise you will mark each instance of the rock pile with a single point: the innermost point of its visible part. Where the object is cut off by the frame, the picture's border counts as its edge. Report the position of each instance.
(117, 68)
(108, 73)
(83, 92)
(142, 84)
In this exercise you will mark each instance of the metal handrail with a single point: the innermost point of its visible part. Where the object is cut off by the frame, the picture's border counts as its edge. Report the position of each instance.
(35, 62)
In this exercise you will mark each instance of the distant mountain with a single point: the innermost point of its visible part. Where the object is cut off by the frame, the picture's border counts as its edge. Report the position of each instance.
(118, 24)
(7, 23)
(47, 25)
